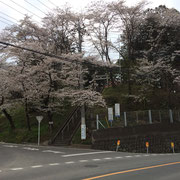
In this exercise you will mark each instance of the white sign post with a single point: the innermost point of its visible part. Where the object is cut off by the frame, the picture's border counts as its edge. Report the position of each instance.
(117, 110)
(83, 131)
(110, 115)
(39, 118)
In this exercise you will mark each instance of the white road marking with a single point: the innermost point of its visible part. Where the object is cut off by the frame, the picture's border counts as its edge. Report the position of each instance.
(83, 160)
(37, 166)
(107, 158)
(31, 149)
(96, 159)
(70, 162)
(50, 151)
(137, 156)
(146, 155)
(119, 157)
(154, 154)
(0, 170)
(54, 164)
(16, 169)
(128, 156)
(10, 146)
(82, 154)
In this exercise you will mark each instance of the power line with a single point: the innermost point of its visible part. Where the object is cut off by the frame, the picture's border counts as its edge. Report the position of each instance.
(34, 51)
(52, 3)
(44, 5)
(11, 7)
(25, 9)
(34, 6)
(8, 16)
(7, 20)
(63, 59)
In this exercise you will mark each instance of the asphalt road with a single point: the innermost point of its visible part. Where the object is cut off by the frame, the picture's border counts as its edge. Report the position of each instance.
(23, 162)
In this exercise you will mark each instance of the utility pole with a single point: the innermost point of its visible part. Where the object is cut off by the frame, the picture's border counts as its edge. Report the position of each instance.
(83, 120)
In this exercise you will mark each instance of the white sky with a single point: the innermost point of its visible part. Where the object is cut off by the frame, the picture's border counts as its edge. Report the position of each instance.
(77, 5)
(10, 9)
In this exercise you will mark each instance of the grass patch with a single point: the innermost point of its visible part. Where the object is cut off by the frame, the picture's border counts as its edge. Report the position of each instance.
(21, 133)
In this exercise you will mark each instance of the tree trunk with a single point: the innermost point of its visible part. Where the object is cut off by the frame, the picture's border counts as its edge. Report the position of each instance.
(27, 116)
(112, 80)
(9, 117)
(129, 83)
(50, 118)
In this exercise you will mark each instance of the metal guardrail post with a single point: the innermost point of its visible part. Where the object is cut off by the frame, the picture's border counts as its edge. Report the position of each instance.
(150, 116)
(97, 121)
(137, 117)
(125, 119)
(171, 116)
(178, 116)
(160, 119)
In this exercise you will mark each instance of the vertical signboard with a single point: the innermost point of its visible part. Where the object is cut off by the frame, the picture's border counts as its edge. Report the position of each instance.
(117, 110)
(83, 131)
(110, 114)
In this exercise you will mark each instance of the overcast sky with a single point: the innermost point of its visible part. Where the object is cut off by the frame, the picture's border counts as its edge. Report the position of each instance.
(11, 11)
(11, 8)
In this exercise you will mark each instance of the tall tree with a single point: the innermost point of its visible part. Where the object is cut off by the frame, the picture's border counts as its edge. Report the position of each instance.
(129, 19)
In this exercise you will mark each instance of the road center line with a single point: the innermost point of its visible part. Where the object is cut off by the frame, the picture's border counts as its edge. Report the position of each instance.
(119, 157)
(128, 156)
(10, 146)
(50, 151)
(96, 159)
(16, 169)
(107, 158)
(82, 154)
(31, 149)
(137, 156)
(70, 162)
(37, 166)
(54, 164)
(83, 160)
(132, 170)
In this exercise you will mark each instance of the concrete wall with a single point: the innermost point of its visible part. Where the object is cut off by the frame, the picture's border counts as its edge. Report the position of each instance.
(133, 139)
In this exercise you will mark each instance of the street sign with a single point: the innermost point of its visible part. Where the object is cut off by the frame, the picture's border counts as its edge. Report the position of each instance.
(110, 114)
(83, 131)
(117, 110)
(39, 118)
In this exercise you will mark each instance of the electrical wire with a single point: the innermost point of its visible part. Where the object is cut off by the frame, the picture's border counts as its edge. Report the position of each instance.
(52, 3)
(7, 20)
(44, 5)
(34, 6)
(12, 8)
(63, 59)
(8, 16)
(25, 9)
(37, 52)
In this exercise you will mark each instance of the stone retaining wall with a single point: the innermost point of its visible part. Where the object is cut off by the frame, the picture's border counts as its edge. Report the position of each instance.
(133, 139)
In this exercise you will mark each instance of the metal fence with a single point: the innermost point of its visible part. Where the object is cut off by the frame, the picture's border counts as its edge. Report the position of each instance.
(134, 118)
